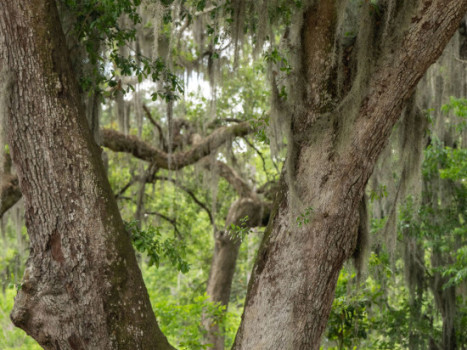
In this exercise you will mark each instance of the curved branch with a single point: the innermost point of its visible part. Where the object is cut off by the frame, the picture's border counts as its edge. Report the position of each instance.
(119, 142)
(10, 193)
(232, 177)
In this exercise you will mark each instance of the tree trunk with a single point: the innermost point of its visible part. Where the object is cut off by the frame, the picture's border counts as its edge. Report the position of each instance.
(82, 288)
(344, 108)
(226, 248)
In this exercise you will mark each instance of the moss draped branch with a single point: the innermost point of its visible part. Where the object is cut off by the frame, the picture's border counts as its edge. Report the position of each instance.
(119, 142)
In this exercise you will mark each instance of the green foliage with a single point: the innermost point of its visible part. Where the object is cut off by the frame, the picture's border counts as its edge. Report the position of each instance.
(392, 312)
(240, 231)
(13, 254)
(455, 165)
(11, 337)
(379, 193)
(348, 321)
(148, 241)
(260, 125)
(144, 68)
(457, 272)
(98, 31)
(448, 231)
(445, 162)
(275, 57)
(183, 321)
(305, 217)
(98, 19)
(457, 106)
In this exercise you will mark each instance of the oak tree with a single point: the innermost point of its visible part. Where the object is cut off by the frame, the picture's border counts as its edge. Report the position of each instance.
(82, 287)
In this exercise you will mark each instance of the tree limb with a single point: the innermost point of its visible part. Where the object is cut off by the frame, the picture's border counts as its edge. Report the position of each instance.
(232, 177)
(119, 142)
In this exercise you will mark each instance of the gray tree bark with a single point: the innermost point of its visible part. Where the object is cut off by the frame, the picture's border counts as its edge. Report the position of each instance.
(344, 107)
(82, 288)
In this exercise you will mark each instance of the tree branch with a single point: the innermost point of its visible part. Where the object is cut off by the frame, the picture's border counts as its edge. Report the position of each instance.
(190, 193)
(173, 222)
(132, 181)
(159, 128)
(232, 177)
(258, 152)
(399, 72)
(119, 142)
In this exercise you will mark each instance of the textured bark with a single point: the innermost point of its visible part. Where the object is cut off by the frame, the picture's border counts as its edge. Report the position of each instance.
(82, 288)
(338, 131)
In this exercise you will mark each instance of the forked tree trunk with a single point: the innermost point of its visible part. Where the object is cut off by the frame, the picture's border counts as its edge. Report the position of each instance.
(344, 107)
(82, 288)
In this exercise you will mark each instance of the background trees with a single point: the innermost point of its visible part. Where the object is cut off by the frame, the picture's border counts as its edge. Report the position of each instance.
(183, 211)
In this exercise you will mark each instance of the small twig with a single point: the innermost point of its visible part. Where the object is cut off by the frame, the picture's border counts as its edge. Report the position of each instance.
(190, 193)
(159, 128)
(173, 222)
(119, 194)
(260, 155)
(148, 177)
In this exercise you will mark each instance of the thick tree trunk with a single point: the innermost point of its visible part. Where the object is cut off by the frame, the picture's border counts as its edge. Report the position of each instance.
(82, 288)
(338, 129)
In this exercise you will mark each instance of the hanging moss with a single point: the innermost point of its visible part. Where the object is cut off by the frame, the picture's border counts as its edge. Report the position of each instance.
(361, 253)
(155, 11)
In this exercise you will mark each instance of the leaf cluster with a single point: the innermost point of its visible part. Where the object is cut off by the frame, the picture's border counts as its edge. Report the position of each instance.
(148, 241)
